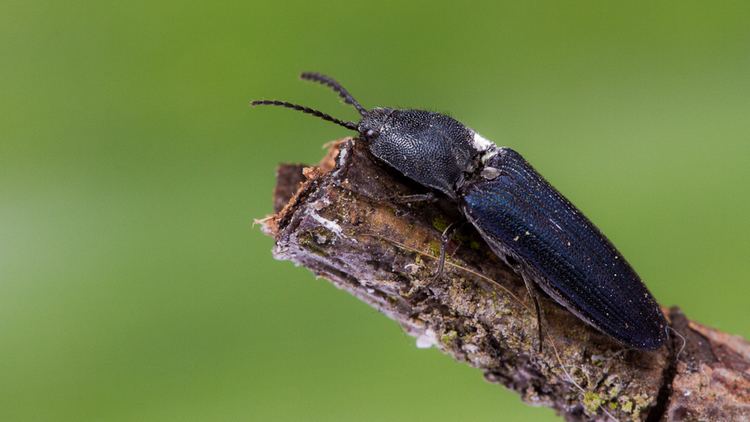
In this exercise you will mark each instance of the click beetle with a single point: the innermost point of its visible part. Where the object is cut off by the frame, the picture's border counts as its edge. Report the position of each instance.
(522, 218)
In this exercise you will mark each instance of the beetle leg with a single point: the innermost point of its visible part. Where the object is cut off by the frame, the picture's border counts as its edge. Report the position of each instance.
(418, 197)
(532, 292)
(671, 343)
(445, 238)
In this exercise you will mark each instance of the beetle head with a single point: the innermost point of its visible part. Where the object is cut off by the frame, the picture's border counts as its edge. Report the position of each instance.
(430, 148)
(373, 123)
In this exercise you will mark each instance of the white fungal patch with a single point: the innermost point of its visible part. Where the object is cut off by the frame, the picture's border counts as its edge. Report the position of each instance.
(427, 339)
(411, 268)
(341, 158)
(471, 348)
(342, 154)
(320, 204)
(332, 226)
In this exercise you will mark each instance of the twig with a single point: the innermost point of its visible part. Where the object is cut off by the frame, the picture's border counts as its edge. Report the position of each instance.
(337, 220)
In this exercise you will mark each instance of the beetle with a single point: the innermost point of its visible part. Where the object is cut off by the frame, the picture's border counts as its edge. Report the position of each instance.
(524, 220)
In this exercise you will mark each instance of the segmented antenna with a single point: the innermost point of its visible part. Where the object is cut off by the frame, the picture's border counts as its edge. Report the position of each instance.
(308, 110)
(333, 84)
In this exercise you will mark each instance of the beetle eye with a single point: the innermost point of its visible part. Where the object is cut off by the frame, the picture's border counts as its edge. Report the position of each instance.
(370, 133)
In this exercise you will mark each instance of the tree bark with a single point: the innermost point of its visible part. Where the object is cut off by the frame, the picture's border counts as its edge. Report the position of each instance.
(341, 220)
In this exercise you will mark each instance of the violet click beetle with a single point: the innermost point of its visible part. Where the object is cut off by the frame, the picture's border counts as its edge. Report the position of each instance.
(522, 218)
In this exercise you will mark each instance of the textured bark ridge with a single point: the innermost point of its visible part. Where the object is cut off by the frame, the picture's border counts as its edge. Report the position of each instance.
(340, 220)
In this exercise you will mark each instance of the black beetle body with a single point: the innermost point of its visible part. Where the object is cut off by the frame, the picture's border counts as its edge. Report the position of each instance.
(518, 213)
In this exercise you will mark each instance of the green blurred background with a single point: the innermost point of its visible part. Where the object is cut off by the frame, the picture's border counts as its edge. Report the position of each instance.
(133, 286)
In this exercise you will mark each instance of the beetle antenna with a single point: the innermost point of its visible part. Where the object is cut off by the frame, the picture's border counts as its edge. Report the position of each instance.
(308, 110)
(333, 84)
